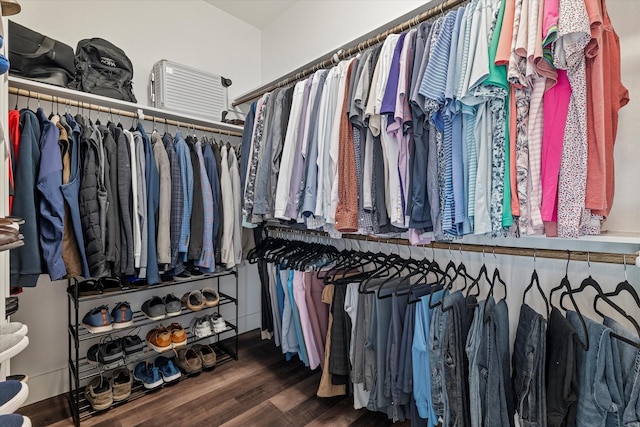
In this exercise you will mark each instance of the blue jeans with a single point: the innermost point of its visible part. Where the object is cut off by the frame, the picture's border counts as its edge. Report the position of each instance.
(472, 349)
(630, 366)
(498, 405)
(436, 360)
(456, 364)
(529, 355)
(599, 374)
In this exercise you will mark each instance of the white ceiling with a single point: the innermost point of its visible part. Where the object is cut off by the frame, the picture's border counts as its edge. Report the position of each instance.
(258, 13)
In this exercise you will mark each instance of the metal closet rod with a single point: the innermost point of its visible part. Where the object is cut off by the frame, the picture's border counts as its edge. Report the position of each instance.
(602, 257)
(342, 54)
(73, 103)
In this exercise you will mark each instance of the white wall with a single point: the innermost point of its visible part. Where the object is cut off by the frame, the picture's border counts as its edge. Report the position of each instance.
(187, 31)
(310, 29)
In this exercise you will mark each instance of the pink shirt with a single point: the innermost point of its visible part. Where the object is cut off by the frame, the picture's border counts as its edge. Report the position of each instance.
(556, 105)
(305, 320)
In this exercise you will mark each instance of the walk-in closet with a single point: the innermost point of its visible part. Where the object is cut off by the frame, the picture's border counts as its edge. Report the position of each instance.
(319, 212)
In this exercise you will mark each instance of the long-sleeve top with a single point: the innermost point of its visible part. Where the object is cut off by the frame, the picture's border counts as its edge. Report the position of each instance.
(163, 241)
(186, 176)
(228, 258)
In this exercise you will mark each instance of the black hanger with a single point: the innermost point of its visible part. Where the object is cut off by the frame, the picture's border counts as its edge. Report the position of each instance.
(536, 280)
(564, 284)
(496, 276)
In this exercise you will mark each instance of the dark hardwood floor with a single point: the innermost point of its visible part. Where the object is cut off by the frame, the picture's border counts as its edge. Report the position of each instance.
(260, 389)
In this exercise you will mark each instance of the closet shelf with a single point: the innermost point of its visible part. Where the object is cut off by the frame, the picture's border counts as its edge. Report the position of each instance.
(140, 319)
(129, 290)
(102, 101)
(87, 370)
(138, 390)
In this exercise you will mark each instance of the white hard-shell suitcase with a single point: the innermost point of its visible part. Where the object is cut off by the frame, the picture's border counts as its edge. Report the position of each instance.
(183, 89)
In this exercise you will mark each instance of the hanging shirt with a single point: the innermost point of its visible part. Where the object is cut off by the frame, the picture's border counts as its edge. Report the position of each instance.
(186, 179)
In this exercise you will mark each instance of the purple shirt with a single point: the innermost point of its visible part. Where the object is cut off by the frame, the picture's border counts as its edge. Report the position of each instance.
(291, 210)
(389, 99)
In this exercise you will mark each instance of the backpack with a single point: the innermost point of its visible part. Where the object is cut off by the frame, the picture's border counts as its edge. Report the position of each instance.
(38, 57)
(103, 69)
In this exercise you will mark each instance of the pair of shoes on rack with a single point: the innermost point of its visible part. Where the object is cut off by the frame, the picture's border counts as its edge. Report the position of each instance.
(207, 325)
(99, 319)
(13, 339)
(167, 369)
(162, 339)
(102, 392)
(107, 353)
(148, 375)
(199, 299)
(190, 272)
(10, 306)
(12, 395)
(158, 308)
(91, 287)
(192, 360)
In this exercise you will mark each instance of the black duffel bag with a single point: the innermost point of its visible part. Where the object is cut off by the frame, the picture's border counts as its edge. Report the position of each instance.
(103, 69)
(39, 57)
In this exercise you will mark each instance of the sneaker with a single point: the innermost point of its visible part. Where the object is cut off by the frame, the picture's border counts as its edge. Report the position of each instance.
(167, 369)
(166, 277)
(207, 355)
(12, 395)
(14, 328)
(201, 327)
(149, 376)
(154, 308)
(110, 284)
(10, 345)
(189, 361)
(18, 377)
(193, 300)
(14, 420)
(98, 320)
(159, 339)
(211, 297)
(122, 315)
(85, 288)
(178, 335)
(121, 382)
(105, 353)
(172, 305)
(185, 275)
(195, 271)
(131, 344)
(217, 323)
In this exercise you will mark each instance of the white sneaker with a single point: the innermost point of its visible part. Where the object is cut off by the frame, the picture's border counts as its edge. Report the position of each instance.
(10, 345)
(14, 328)
(217, 323)
(200, 327)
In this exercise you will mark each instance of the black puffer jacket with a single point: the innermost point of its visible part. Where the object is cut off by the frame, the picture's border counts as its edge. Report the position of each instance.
(88, 200)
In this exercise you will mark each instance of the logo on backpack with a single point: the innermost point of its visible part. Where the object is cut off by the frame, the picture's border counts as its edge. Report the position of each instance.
(108, 61)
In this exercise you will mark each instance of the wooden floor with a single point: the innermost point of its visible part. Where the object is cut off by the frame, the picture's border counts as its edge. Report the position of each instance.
(260, 389)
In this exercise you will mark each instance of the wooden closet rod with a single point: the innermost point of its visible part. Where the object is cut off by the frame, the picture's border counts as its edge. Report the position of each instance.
(73, 103)
(602, 257)
(294, 76)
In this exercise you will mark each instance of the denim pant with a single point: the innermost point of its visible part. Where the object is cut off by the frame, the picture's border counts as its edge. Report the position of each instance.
(498, 406)
(600, 377)
(562, 374)
(630, 365)
(436, 360)
(456, 364)
(529, 367)
(472, 348)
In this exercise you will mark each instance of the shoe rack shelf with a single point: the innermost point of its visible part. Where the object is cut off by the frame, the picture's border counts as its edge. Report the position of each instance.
(81, 370)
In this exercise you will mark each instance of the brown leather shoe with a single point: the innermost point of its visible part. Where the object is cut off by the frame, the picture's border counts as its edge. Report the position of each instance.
(178, 335)
(159, 339)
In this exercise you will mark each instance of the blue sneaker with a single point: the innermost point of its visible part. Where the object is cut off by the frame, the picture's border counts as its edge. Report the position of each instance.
(98, 320)
(122, 315)
(12, 395)
(14, 420)
(167, 369)
(148, 376)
